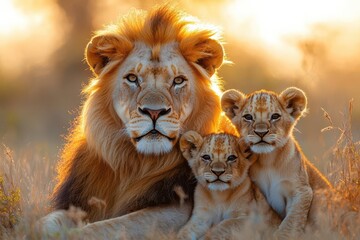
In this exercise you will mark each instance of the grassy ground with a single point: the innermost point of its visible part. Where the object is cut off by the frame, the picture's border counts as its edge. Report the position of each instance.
(26, 180)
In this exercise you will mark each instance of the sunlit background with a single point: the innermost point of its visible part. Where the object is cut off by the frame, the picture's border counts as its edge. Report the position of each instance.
(311, 44)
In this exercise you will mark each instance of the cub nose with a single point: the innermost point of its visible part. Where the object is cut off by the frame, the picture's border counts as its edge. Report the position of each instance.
(217, 172)
(261, 133)
(154, 114)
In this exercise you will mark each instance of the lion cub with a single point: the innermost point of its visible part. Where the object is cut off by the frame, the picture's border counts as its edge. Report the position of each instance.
(224, 194)
(287, 179)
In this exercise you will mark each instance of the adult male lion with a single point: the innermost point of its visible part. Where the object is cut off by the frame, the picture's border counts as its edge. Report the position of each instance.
(154, 79)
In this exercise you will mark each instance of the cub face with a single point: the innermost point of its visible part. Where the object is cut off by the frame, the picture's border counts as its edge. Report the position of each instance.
(216, 160)
(264, 119)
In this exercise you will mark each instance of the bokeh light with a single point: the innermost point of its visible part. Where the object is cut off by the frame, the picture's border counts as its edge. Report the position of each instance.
(314, 45)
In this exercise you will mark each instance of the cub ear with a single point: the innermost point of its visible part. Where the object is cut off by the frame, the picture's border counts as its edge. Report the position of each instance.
(105, 48)
(295, 101)
(190, 143)
(231, 101)
(208, 54)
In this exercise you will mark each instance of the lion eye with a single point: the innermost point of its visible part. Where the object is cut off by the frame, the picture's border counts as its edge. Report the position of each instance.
(179, 80)
(132, 78)
(206, 158)
(248, 117)
(231, 158)
(275, 116)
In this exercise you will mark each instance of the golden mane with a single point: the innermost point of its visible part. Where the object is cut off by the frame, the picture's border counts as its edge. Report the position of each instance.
(161, 25)
(99, 160)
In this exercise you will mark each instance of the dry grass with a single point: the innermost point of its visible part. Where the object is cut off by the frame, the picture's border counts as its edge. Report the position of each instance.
(26, 181)
(10, 211)
(344, 167)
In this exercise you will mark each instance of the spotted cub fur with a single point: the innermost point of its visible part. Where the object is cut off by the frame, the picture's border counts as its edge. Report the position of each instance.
(289, 181)
(224, 196)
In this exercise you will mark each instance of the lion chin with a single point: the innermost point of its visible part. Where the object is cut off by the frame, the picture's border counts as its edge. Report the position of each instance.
(262, 148)
(154, 143)
(218, 186)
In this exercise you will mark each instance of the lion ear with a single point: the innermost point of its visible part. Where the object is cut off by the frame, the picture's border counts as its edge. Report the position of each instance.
(231, 101)
(294, 101)
(104, 49)
(208, 54)
(190, 143)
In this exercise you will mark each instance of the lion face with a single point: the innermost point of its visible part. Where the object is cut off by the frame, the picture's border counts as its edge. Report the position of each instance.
(263, 118)
(153, 98)
(216, 160)
(158, 72)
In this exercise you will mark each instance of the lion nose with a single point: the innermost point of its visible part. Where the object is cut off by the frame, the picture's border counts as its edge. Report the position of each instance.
(154, 114)
(261, 133)
(217, 172)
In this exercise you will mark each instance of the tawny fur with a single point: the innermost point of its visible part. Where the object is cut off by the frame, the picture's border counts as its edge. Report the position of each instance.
(225, 197)
(102, 158)
(290, 183)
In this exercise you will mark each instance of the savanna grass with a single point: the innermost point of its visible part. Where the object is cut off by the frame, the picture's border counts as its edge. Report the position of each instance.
(26, 182)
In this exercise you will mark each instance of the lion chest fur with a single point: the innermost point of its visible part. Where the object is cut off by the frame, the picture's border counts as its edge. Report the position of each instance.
(290, 183)
(277, 175)
(157, 184)
(270, 183)
(222, 205)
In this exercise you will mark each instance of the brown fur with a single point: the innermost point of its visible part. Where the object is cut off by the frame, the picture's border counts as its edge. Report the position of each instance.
(99, 159)
(288, 180)
(222, 207)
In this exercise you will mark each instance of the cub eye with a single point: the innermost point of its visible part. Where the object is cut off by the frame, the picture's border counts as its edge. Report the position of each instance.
(275, 116)
(248, 117)
(231, 158)
(132, 78)
(179, 80)
(206, 158)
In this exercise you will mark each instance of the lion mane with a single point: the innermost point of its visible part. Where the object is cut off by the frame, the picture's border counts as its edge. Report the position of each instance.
(99, 158)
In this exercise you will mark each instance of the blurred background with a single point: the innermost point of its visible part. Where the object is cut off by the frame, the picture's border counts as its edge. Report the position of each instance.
(311, 44)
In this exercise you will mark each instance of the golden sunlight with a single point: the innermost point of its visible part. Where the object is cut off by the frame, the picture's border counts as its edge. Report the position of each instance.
(274, 20)
(30, 33)
(12, 19)
(297, 36)
(287, 36)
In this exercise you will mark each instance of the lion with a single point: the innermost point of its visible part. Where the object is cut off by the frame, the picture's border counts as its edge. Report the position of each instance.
(154, 78)
(224, 197)
(282, 172)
